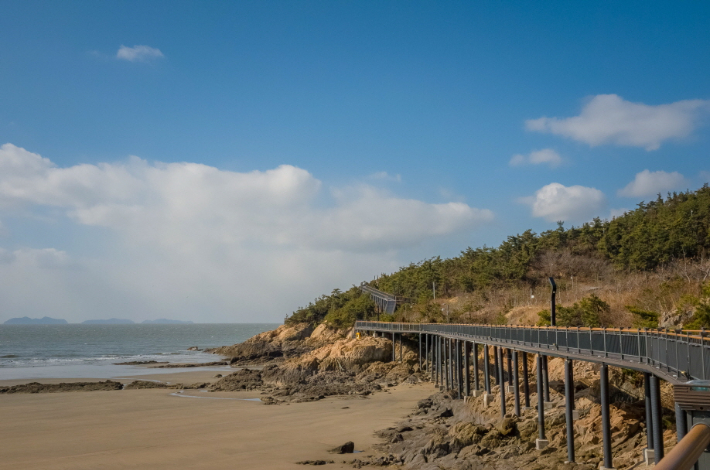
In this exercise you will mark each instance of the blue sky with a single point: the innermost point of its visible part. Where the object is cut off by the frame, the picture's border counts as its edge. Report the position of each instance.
(229, 161)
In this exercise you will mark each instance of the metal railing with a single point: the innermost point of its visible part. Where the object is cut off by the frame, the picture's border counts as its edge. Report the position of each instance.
(687, 452)
(386, 302)
(680, 355)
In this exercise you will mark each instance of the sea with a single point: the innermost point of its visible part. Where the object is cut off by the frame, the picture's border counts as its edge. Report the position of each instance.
(93, 351)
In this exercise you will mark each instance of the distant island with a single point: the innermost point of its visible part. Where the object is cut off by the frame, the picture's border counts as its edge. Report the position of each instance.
(110, 321)
(165, 321)
(36, 321)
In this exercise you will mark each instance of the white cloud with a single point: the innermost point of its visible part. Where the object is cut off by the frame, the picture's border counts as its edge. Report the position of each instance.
(568, 203)
(383, 175)
(609, 119)
(650, 183)
(138, 53)
(537, 157)
(260, 241)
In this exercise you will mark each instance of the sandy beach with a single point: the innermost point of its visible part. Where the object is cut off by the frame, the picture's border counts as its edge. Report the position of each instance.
(157, 430)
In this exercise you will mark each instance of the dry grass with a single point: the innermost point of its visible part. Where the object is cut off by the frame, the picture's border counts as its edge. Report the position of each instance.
(661, 291)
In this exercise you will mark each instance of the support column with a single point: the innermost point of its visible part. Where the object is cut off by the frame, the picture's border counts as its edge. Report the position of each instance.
(451, 364)
(502, 383)
(476, 383)
(466, 379)
(486, 369)
(459, 379)
(496, 365)
(541, 442)
(526, 382)
(606, 427)
(439, 362)
(420, 352)
(401, 349)
(545, 379)
(435, 360)
(486, 376)
(509, 355)
(681, 423)
(446, 364)
(569, 406)
(648, 451)
(656, 413)
(516, 387)
(394, 347)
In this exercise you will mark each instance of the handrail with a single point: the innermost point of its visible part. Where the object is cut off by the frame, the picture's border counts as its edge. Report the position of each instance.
(677, 357)
(684, 455)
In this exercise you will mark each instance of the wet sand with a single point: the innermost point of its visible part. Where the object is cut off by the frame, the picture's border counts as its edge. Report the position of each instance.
(153, 429)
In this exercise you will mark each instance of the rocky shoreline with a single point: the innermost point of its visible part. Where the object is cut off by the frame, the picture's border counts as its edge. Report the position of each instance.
(298, 363)
(444, 432)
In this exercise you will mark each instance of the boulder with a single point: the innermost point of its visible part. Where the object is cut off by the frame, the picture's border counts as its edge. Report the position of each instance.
(346, 448)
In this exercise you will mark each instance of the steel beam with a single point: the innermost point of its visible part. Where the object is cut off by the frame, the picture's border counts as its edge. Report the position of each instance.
(657, 415)
(541, 441)
(526, 382)
(459, 379)
(569, 407)
(466, 379)
(486, 369)
(475, 367)
(681, 422)
(508, 353)
(545, 379)
(501, 382)
(394, 347)
(516, 386)
(606, 426)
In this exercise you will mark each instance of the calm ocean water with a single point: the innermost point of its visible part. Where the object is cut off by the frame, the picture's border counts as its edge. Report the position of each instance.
(39, 351)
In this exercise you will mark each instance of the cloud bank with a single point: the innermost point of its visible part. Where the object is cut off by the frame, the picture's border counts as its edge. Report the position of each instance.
(609, 119)
(555, 202)
(254, 241)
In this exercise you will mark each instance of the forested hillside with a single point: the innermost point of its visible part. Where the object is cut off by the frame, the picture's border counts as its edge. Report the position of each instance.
(646, 266)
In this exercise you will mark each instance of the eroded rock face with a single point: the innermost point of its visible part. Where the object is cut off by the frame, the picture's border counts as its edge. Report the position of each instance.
(283, 342)
(345, 355)
(244, 379)
(443, 433)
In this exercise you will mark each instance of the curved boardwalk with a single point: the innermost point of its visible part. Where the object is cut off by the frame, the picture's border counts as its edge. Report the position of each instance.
(681, 358)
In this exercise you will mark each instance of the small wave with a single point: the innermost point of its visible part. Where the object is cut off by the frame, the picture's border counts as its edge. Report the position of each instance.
(8, 356)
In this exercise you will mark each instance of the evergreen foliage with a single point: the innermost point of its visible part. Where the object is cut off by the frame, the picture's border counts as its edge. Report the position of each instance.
(653, 235)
